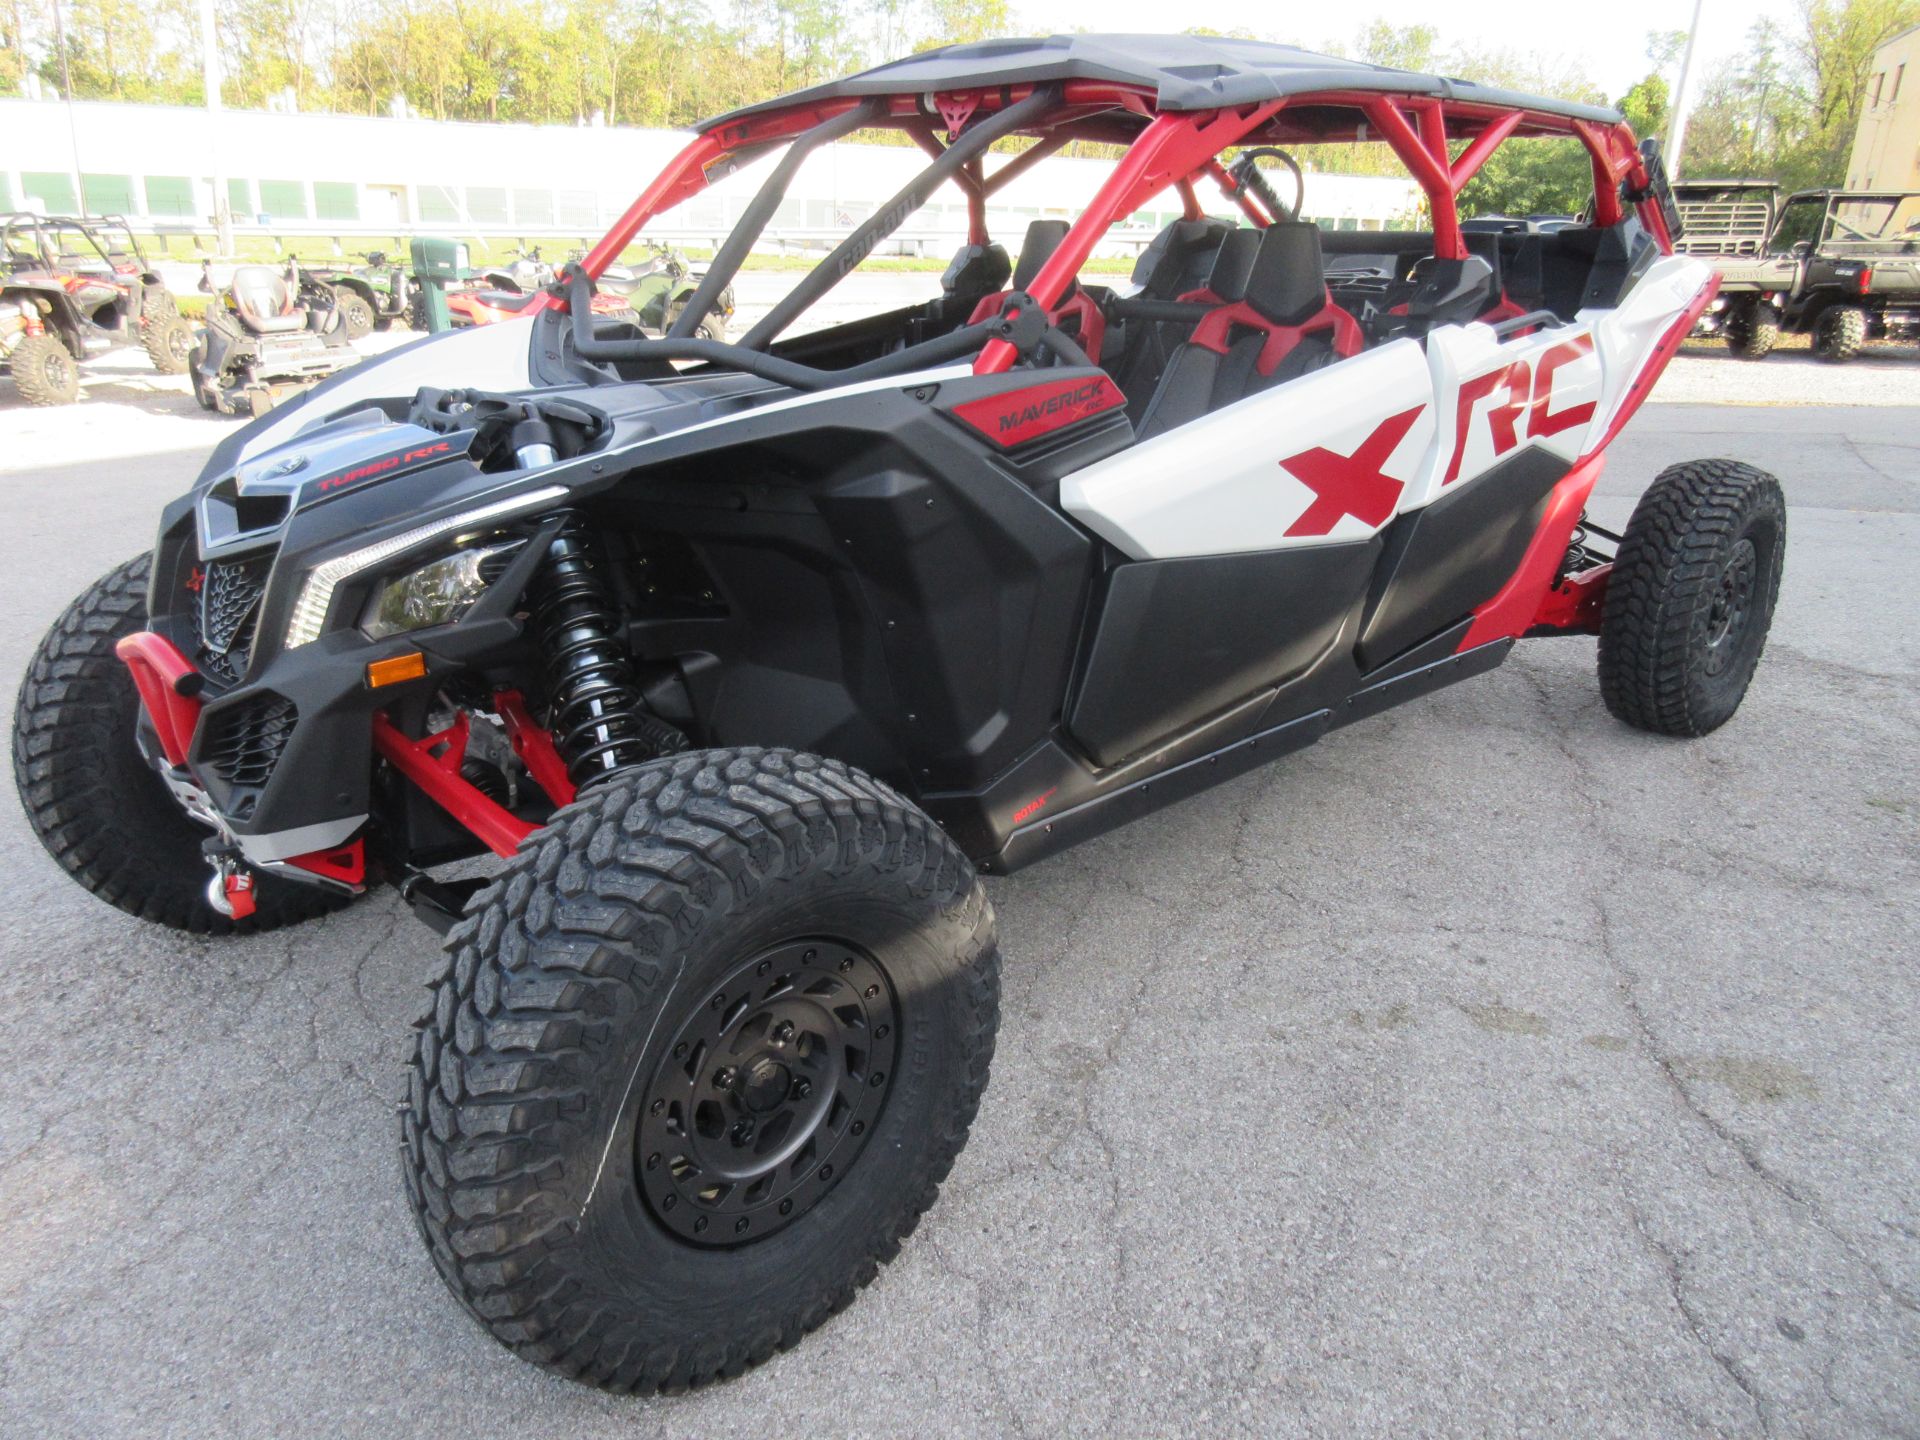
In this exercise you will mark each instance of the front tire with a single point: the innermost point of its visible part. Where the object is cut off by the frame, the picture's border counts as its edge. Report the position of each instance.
(356, 315)
(1840, 333)
(680, 960)
(90, 796)
(1691, 597)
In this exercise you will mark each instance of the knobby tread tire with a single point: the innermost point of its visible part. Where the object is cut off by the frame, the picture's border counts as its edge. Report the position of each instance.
(1671, 558)
(29, 364)
(1840, 333)
(1753, 330)
(355, 313)
(101, 813)
(561, 983)
(169, 343)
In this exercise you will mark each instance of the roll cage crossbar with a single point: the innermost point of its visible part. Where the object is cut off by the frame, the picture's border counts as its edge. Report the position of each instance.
(1443, 142)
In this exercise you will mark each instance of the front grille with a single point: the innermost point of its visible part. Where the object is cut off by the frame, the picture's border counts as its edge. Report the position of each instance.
(225, 620)
(244, 742)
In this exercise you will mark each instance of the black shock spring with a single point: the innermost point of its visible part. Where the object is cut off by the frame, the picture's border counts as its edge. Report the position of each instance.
(599, 724)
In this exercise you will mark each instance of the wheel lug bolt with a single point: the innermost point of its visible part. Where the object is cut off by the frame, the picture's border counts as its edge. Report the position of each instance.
(882, 1032)
(859, 1127)
(724, 1077)
(763, 967)
(653, 1161)
(658, 1106)
(879, 1078)
(740, 1225)
(680, 1051)
(809, 957)
(700, 1224)
(783, 1032)
(871, 991)
(801, 1089)
(668, 1202)
(742, 1131)
(826, 1172)
(846, 964)
(786, 1207)
(718, 1001)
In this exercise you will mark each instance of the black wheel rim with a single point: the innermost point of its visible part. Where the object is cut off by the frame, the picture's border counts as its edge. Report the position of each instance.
(1732, 606)
(769, 1090)
(55, 368)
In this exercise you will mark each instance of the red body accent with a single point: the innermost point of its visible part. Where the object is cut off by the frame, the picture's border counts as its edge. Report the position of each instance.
(1513, 611)
(495, 826)
(1215, 331)
(1016, 416)
(159, 669)
(345, 863)
(534, 746)
(1346, 485)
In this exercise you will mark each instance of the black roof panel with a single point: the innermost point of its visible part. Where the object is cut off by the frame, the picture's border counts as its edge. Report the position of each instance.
(1187, 72)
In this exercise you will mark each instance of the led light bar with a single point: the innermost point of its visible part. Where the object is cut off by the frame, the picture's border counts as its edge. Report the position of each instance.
(316, 592)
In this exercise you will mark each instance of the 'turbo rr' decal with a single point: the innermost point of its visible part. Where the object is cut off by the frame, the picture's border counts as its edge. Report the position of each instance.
(385, 465)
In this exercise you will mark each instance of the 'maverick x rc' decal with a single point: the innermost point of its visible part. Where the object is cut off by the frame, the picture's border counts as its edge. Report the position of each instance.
(1013, 417)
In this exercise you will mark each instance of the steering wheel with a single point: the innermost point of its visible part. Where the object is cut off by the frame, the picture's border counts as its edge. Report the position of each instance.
(1246, 174)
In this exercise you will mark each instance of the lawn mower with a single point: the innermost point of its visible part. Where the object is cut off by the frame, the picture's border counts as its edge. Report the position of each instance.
(71, 289)
(265, 341)
(734, 667)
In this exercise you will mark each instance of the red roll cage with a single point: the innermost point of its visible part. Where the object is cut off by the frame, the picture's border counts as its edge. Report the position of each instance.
(1166, 149)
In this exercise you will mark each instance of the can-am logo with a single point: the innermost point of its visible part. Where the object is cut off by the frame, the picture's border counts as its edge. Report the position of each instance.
(1015, 416)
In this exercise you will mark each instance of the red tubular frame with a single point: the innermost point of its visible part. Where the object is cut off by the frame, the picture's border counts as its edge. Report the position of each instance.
(159, 671)
(495, 826)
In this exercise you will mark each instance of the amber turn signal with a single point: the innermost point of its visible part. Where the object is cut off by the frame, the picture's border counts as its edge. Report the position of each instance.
(410, 666)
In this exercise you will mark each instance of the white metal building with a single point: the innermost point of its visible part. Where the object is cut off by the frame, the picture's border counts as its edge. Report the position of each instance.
(291, 174)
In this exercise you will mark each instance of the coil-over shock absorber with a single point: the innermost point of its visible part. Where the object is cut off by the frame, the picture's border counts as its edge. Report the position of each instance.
(599, 724)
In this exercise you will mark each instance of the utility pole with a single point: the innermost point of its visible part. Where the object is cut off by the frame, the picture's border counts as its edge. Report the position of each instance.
(1677, 126)
(210, 78)
(66, 98)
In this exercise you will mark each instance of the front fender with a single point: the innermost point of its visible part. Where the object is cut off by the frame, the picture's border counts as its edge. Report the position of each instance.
(486, 357)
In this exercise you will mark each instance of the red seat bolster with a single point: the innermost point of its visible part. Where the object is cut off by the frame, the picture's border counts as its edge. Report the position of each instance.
(1093, 325)
(1215, 330)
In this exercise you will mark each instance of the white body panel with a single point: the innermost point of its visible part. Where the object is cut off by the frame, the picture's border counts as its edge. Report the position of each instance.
(1250, 476)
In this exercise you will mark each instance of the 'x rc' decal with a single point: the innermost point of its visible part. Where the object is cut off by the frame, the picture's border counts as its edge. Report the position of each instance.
(1353, 484)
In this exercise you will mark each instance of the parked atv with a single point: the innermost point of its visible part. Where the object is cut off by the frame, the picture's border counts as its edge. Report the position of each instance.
(1840, 265)
(659, 289)
(72, 289)
(263, 342)
(747, 660)
(372, 296)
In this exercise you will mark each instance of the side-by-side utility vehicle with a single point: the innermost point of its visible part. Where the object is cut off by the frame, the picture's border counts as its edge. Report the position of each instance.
(748, 659)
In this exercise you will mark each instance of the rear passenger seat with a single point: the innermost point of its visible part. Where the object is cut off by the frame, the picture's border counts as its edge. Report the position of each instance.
(1275, 321)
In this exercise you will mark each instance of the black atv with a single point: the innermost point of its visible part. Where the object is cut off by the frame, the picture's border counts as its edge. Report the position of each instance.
(745, 661)
(71, 289)
(1840, 265)
(266, 338)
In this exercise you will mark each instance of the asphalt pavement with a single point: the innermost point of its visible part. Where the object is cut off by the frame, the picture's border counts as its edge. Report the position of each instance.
(1488, 1069)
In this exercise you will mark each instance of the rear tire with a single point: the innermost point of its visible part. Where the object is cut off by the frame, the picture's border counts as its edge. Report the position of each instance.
(170, 344)
(44, 372)
(1691, 597)
(1753, 330)
(99, 809)
(651, 941)
(1840, 332)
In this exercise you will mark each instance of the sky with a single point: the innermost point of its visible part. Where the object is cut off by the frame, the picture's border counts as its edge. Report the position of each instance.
(1612, 51)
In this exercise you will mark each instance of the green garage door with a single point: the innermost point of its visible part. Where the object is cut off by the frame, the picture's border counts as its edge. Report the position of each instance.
(170, 196)
(54, 192)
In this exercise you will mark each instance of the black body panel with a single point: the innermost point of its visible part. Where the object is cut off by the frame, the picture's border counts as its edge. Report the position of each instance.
(1443, 560)
(1173, 641)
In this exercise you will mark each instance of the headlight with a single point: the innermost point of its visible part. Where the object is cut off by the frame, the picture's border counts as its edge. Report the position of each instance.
(316, 591)
(437, 593)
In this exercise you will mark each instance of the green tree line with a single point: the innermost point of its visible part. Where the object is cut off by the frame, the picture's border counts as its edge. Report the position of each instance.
(1784, 109)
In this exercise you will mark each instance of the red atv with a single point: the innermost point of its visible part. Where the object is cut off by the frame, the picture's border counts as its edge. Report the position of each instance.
(748, 659)
(71, 289)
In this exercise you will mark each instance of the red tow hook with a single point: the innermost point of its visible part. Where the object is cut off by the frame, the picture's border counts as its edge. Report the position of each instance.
(169, 688)
(239, 893)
